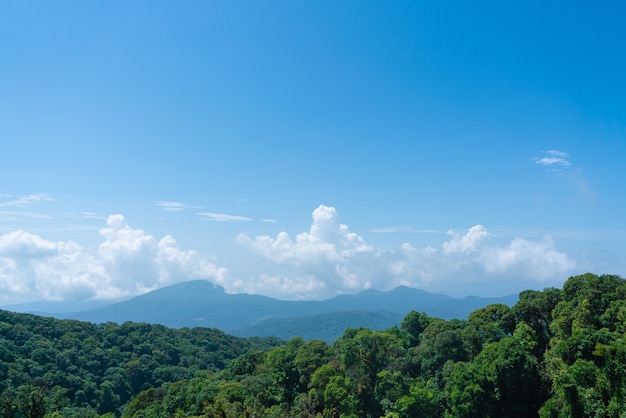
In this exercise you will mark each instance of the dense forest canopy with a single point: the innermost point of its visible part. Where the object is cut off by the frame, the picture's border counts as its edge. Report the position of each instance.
(555, 353)
(81, 369)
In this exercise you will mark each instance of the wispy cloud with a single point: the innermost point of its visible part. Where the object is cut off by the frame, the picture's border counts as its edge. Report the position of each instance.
(268, 220)
(404, 230)
(556, 160)
(170, 206)
(12, 216)
(556, 153)
(92, 215)
(26, 200)
(223, 217)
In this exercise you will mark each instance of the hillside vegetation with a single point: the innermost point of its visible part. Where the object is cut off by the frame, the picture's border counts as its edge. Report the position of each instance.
(82, 370)
(555, 353)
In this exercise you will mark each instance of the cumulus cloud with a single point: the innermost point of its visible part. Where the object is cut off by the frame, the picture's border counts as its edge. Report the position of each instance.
(326, 260)
(467, 243)
(535, 259)
(335, 260)
(328, 254)
(128, 262)
(326, 239)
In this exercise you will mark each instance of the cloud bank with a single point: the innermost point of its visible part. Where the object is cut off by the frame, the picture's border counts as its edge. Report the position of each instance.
(326, 260)
(329, 259)
(128, 262)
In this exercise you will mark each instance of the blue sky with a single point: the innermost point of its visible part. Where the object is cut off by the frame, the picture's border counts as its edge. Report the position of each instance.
(306, 149)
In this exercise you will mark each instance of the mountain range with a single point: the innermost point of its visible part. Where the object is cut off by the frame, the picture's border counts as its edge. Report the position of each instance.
(199, 303)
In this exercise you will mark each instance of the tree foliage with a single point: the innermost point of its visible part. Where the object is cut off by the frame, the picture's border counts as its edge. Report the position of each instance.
(556, 353)
(81, 369)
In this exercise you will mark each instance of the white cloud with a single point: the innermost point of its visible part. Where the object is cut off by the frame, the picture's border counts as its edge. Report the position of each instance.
(92, 215)
(553, 161)
(20, 244)
(10, 216)
(223, 217)
(173, 206)
(295, 287)
(327, 240)
(329, 253)
(538, 259)
(467, 243)
(127, 262)
(326, 260)
(336, 260)
(556, 153)
(558, 163)
(403, 230)
(27, 200)
(556, 160)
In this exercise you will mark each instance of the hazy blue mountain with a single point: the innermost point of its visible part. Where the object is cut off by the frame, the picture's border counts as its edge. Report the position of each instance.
(200, 303)
(327, 326)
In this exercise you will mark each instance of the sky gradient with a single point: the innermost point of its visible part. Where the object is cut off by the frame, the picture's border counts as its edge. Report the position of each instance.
(306, 149)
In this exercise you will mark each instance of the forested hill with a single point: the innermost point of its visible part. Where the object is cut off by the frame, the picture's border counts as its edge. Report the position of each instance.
(84, 369)
(555, 353)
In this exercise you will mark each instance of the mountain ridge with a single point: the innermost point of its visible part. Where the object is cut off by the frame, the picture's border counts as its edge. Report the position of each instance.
(199, 303)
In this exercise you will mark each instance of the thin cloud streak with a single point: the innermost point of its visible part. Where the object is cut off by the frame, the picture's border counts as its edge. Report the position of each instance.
(553, 161)
(557, 153)
(558, 163)
(92, 215)
(404, 230)
(223, 217)
(170, 206)
(556, 160)
(16, 215)
(27, 200)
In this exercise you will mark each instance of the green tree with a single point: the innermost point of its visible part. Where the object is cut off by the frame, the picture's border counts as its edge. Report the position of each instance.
(365, 354)
(413, 324)
(31, 401)
(424, 399)
(487, 325)
(441, 341)
(535, 309)
(504, 380)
